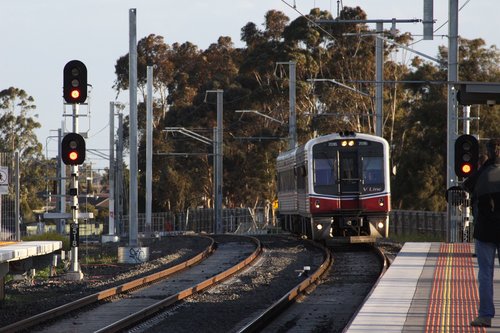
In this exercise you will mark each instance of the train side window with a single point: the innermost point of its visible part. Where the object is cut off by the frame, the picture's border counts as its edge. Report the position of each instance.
(301, 177)
(286, 180)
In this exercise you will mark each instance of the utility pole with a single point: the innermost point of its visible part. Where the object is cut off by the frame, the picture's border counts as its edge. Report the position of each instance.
(111, 236)
(111, 202)
(119, 176)
(149, 147)
(133, 254)
(451, 178)
(133, 200)
(218, 155)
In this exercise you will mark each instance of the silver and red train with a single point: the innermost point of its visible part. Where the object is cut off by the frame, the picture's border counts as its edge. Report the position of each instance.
(336, 188)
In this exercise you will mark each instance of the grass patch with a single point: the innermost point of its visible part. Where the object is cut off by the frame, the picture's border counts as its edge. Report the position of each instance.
(50, 237)
(99, 260)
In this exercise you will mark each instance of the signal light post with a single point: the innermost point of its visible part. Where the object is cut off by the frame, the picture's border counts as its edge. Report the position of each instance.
(73, 150)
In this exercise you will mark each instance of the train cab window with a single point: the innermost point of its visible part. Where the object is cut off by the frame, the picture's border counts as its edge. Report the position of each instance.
(372, 170)
(324, 171)
(348, 166)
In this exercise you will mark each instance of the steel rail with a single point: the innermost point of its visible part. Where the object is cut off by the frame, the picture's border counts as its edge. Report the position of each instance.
(139, 316)
(94, 298)
(385, 266)
(265, 317)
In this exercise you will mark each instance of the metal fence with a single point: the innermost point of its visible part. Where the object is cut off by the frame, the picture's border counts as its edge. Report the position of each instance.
(407, 222)
(8, 211)
(236, 220)
(455, 225)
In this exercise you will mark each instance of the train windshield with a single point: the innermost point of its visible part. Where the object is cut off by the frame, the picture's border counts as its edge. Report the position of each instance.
(324, 171)
(352, 169)
(325, 168)
(372, 170)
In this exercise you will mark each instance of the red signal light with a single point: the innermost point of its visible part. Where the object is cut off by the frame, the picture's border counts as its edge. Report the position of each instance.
(73, 155)
(466, 168)
(75, 93)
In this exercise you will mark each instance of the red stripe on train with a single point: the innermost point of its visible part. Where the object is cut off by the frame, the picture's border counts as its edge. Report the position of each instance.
(372, 204)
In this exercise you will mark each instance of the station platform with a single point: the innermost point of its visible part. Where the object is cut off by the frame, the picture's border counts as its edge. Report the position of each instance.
(10, 251)
(15, 251)
(430, 287)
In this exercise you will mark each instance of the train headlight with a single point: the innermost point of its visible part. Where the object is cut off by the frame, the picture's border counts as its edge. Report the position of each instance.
(346, 143)
(319, 226)
(381, 225)
(316, 203)
(381, 202)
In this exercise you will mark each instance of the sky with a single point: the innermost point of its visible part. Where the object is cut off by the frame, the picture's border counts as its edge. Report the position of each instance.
(40, 37)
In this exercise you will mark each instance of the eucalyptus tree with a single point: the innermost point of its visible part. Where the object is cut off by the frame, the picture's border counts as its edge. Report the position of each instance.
(420, 154)
(414, 120)
(17, 132)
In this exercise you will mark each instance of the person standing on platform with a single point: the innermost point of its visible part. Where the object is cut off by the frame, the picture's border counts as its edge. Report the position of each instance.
(484, 187)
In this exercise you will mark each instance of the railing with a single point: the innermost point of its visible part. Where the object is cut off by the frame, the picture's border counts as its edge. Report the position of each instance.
(248, 221)
(407, 222)
(236, 220)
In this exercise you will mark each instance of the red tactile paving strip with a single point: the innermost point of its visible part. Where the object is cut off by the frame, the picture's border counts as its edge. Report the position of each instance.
(454, 295)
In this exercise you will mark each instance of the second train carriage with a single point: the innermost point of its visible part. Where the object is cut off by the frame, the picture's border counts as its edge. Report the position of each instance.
(336, 187)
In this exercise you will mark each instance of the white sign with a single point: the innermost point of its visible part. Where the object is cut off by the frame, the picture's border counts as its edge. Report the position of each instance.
(4, 180)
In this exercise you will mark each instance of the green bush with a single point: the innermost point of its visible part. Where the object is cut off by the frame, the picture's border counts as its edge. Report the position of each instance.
(50, 237)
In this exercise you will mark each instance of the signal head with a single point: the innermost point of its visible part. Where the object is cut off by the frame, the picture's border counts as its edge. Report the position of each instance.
(73, 149)
(75, 82)
(466, 155)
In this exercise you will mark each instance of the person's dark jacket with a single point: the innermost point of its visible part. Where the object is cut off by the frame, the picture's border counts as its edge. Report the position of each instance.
(484, 187)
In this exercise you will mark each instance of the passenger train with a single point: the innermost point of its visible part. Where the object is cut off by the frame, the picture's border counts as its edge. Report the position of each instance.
(336, 188)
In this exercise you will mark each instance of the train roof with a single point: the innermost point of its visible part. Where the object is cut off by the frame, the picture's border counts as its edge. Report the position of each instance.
(329, 137)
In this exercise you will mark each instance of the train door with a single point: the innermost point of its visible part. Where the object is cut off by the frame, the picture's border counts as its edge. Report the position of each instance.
(349, 182)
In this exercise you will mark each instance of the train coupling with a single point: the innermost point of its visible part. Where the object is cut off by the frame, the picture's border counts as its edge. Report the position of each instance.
(351, 222)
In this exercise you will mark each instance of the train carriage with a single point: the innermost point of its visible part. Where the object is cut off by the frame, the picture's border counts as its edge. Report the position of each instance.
(336, 187)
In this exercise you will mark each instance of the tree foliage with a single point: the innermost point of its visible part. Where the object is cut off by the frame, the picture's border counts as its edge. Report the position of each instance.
(17, 133)
(414, 113)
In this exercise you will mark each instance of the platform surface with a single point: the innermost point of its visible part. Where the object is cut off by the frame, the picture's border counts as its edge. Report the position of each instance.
(430, 287)
(21, 250)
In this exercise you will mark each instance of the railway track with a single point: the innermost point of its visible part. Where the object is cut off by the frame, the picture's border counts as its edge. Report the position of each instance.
(118, 307)
(277, 275)
(329, 305)
(266, 294)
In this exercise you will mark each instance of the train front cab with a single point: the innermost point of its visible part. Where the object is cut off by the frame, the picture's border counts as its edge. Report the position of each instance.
(349, 189)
